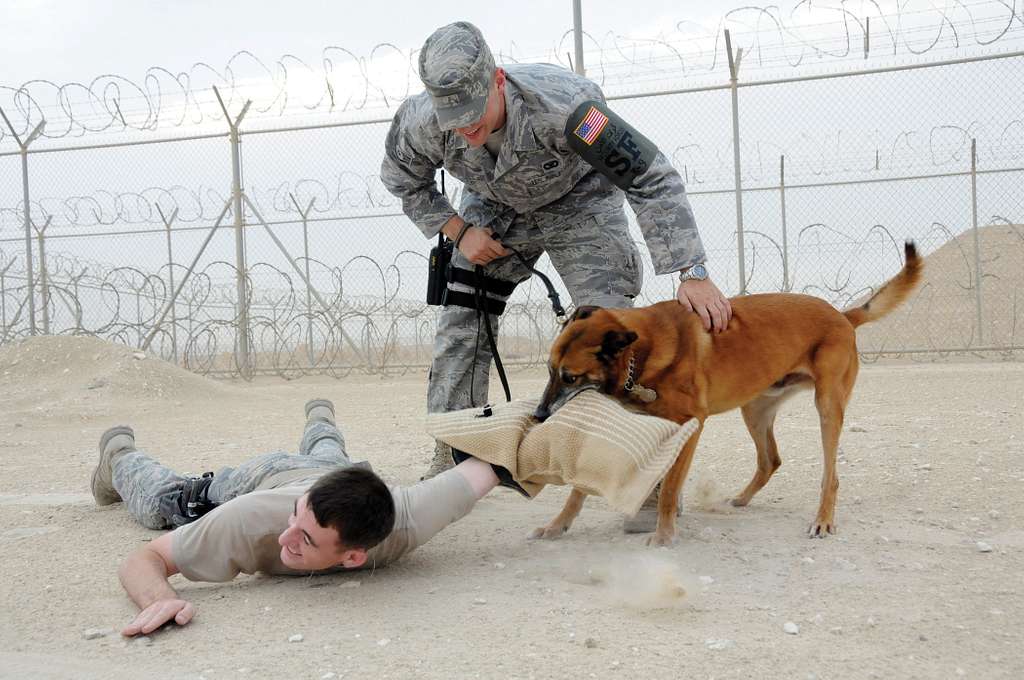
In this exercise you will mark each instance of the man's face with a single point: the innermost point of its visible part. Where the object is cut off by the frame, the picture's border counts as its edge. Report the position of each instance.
(494, 115)
(307, 546)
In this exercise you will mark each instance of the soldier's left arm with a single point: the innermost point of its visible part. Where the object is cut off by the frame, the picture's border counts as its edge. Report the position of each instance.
(658, 197)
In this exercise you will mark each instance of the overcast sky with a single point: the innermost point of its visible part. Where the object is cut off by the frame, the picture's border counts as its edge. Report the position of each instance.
(68, 40)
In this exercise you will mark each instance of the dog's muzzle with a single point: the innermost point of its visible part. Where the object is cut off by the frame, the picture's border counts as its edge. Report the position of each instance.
(544, 410)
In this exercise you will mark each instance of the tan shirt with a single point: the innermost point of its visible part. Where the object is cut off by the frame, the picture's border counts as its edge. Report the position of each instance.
(241, 535)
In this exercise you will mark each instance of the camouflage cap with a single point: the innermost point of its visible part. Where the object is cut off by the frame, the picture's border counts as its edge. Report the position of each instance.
(457, 68)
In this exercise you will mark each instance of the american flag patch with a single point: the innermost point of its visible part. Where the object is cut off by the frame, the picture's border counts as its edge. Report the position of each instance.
(592, 124)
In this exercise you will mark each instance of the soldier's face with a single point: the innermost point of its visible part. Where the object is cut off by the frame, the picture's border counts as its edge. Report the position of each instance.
(494, 115)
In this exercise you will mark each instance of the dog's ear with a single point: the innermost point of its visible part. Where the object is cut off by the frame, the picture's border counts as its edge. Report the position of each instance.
(613, 343)
(584, 312)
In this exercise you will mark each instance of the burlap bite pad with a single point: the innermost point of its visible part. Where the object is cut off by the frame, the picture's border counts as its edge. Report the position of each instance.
(591, 443)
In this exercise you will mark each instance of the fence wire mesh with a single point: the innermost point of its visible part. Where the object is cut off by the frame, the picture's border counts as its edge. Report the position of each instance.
(320, 272)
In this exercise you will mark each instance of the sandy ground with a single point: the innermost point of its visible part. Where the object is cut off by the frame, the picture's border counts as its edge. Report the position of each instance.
(924, 579)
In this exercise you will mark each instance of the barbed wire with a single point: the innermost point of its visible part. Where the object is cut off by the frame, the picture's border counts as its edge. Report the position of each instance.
(343, 82)
(349, 195)
(289, 337)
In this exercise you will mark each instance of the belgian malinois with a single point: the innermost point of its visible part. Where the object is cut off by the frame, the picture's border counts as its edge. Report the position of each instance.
(661, 360)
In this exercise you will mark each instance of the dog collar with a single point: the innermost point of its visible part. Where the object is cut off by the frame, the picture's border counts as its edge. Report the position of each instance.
(644, 394)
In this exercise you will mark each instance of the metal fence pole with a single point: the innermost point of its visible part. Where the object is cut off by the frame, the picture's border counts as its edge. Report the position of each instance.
(734, 67)
(44, 284)
(785, 242)
(977, 239)
(170, 274)
(305, 253)
(245, 360)
(577, 29)
(29, 274)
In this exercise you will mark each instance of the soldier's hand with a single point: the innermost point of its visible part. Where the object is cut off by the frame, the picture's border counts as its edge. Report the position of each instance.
(479, 247)
(704, 298)
(159, 613)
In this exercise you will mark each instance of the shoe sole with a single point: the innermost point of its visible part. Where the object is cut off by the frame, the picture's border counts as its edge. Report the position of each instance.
(314, 403)
(104, 440)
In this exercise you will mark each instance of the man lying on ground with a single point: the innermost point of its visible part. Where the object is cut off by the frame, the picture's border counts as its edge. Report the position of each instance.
(278, 513)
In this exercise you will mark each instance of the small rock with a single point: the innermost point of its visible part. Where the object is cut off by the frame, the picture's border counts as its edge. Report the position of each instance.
(871, 621)
(479, 600)
(144, 641)
(93, 633)
(383, 642)
(857, 428)
(922, 637)
(984, 547)
(994, 514)
(719, 644)
(499, 565)
(349, 584)
(590, 643)
(328, 675)
(925, 466)
(808, 560)
(138, 356)
(707, 580)
(296, 638)
(790, 628)
(919, 511)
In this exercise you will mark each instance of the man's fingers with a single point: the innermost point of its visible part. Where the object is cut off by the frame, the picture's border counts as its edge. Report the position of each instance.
(718, 313)
(705, 317)
(185, 615)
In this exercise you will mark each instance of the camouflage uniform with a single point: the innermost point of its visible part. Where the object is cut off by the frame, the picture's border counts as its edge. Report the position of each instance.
(538, 195)
(151, 491)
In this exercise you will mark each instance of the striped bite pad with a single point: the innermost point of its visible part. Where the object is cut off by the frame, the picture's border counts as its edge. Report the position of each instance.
(591, 443)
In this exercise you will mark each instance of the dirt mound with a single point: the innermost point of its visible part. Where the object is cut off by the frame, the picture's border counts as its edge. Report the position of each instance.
(66, 366)
(943, 314)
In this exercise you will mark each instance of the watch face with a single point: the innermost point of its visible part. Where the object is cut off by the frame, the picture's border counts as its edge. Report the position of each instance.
(698, 272)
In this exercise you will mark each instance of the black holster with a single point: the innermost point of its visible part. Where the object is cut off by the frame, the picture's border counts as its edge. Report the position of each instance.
(437, 270)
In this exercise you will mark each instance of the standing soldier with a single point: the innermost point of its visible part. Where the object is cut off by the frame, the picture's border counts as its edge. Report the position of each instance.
(502, 133)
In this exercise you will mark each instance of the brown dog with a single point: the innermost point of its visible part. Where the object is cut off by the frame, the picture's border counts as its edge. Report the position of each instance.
(664, 362)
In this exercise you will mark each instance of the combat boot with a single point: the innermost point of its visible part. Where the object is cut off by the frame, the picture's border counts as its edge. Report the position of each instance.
(114, 443)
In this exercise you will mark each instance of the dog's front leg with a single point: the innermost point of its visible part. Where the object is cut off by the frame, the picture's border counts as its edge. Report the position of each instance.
(668, 499)
(560, 524)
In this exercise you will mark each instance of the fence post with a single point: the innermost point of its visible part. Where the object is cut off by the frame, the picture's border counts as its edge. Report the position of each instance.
(44, 284)
(977, 240)
(3, 299)
(29, 274)
(734, 67)
(305, 253)
(240, 279)
(170, 274)
(785, 241)
(577, 30)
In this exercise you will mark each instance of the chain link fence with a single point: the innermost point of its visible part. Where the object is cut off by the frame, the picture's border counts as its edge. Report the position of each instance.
(279, 251)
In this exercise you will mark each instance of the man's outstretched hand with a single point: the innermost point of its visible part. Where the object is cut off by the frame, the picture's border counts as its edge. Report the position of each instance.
(159, 613)
(703, 297)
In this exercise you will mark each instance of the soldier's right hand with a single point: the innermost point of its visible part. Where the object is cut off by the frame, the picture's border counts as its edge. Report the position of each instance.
(479, 247)
(159, 613)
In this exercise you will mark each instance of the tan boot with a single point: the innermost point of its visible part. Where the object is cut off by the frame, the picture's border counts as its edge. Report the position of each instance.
(646, 520)
(114, 442)
(321, 410)
(441, 461)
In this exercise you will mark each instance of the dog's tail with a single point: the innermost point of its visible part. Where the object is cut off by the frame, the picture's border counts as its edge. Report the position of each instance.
(892, 294)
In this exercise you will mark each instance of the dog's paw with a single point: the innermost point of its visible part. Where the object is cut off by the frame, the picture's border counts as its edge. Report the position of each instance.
(548, 533)
(820, 529)
(738, 502)
(663, 539)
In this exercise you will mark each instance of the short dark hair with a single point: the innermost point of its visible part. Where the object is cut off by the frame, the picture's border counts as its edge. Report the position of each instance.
(356, 503)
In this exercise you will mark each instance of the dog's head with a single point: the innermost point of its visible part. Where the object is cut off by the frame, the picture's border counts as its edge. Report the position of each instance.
(585, 354)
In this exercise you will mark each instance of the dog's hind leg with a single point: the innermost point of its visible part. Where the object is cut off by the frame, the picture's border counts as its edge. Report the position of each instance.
(759, 416)
(561, 523)
(831, 393)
